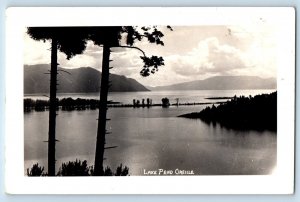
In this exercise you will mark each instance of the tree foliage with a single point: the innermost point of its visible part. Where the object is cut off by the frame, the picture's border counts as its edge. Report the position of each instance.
(113, 37)
(243, 113)
(71, 40)
(77, 168)
(36, 171)
(154, 62)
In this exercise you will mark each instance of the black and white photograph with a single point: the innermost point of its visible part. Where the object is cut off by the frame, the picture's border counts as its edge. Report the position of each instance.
(162, 99)
(134, 99)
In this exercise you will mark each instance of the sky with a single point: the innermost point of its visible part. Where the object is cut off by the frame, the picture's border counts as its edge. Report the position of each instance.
(190, 53)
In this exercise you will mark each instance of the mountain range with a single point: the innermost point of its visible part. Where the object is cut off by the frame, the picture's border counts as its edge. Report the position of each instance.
(87, 79)
(222, 83)
(79, 80)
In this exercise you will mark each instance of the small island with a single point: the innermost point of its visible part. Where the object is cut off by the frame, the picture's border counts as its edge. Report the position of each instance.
(242, 113)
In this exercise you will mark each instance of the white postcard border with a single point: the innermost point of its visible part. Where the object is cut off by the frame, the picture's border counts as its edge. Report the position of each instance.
(281, 182)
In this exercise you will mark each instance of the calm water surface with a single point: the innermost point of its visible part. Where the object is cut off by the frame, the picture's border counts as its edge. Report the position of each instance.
(156, 96)
(151, 139)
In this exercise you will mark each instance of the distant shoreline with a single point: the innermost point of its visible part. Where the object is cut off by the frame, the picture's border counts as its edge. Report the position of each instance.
(218, 98)
(70, 104)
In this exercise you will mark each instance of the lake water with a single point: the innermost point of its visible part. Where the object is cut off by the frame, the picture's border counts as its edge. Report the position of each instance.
(156, 96)
(154, 138)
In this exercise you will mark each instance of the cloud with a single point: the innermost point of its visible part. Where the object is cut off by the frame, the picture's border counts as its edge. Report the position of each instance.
(208, 57)
(36, 52)
(222, 58)
(126, 61)
(91, 57)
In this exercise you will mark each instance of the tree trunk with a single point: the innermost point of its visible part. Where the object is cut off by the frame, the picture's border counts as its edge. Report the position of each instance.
(52, 109)
(99, 156)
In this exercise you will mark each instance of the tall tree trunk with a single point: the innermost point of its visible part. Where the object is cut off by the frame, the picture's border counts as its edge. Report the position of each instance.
(99, 156)
(52, 109)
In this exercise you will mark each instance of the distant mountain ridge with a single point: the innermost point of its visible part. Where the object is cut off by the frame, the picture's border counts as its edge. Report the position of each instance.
(223, 83)
(79, 80)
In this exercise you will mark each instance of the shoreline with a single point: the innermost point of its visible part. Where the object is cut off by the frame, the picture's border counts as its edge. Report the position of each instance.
(258, 112)
(69, 104)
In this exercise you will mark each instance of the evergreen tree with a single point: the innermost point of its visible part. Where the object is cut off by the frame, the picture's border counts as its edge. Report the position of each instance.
(109, 37)
(71, 41)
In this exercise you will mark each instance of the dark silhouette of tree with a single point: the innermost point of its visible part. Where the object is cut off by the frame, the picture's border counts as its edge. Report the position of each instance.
(77, 168)
(36, 171)
(109, 37)
(165, 102)
(243, 113)
(71, 41)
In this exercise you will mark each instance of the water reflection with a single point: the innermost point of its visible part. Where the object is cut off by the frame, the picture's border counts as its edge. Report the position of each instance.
(153, 139)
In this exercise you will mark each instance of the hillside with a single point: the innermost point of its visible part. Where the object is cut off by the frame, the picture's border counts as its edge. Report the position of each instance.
(79, 80)
(243, 113)
(223, 83)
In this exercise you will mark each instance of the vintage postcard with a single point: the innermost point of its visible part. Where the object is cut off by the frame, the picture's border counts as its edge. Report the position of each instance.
(150, 100)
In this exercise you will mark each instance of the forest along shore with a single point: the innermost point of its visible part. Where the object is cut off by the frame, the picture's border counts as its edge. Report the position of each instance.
(70, 104)
(243, 113)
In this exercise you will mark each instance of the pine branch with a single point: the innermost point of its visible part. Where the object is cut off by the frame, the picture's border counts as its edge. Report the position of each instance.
(133, 48)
